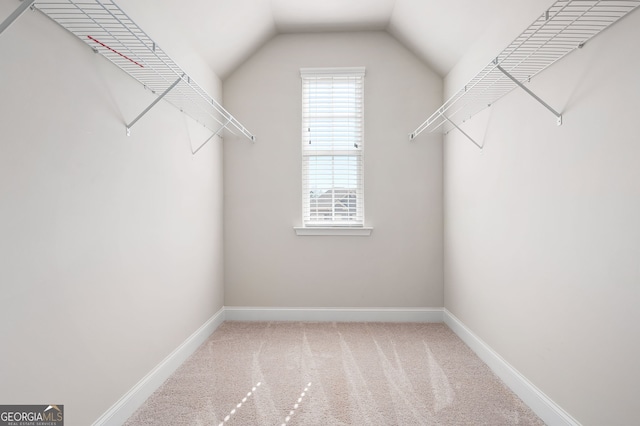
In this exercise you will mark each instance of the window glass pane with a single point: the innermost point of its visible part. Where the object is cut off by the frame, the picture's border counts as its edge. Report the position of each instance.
(333, 183)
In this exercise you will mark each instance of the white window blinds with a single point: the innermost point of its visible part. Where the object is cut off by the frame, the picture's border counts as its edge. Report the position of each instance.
(332, 146)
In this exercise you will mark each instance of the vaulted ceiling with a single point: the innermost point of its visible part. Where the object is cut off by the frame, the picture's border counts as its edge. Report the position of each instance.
(226, 32)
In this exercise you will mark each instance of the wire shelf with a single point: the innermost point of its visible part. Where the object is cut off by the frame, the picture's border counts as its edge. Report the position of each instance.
(109, 31)
(565, 26)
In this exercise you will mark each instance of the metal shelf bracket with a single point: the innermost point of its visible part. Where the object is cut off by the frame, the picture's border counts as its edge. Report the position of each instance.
(26, 4)
(108, 30)
(462, 131)
(565, 26)
(533, 95)
(441, 114)
(252, 138)
(147, 109)
(217, 133)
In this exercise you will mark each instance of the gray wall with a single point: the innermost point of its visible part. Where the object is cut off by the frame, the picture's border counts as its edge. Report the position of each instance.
(110, 246)
(542, 228)
(266, 264)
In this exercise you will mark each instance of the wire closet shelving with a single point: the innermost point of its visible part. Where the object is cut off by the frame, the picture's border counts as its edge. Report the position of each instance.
(564, 27)
(108, 30)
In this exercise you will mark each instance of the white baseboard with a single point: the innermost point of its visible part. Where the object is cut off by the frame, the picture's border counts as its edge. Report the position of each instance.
(542, 405)
(550, 412)
(132, 400)
(243, 313)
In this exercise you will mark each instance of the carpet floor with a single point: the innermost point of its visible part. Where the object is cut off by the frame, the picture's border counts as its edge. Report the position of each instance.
(295, 373)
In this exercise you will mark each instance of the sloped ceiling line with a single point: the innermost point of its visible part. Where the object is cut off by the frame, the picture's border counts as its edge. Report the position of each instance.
(226, 32)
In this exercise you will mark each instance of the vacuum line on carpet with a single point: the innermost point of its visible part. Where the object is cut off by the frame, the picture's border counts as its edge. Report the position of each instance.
(238, 405)
(296, 405)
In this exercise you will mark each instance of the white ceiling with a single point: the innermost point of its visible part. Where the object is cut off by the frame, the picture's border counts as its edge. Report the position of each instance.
(226, 32)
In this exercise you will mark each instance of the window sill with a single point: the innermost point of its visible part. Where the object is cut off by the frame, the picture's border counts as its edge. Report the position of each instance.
(325, 231)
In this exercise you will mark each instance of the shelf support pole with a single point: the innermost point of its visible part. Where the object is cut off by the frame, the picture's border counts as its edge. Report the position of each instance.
(147, 109)
(26, 4)
(462, 131)
(213, 135)
(523, 87)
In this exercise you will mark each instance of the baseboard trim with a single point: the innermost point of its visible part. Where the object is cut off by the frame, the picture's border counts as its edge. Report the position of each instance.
(550, 412)
(245, 313)
(132, 400)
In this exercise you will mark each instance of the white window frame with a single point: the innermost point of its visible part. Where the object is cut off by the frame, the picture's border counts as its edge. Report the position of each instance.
(335, 164)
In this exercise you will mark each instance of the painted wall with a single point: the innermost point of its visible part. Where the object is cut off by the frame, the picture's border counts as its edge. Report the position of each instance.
(542, 228)
(266, 264)
(110, 246)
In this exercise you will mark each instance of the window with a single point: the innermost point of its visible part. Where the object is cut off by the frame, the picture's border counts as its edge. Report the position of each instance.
(332, 147)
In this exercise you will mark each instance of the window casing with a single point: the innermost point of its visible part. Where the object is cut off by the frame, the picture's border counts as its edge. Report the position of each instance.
(332, 147)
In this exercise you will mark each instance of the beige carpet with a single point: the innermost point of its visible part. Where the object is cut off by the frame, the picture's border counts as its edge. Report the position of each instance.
(293, 373)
